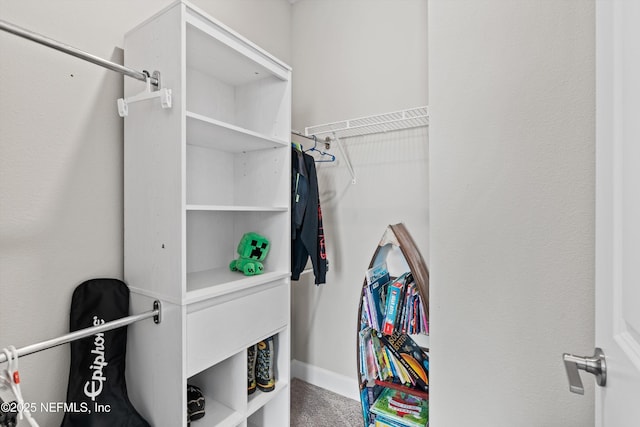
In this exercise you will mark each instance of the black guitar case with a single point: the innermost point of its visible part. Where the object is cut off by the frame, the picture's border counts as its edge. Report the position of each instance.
(97, 390)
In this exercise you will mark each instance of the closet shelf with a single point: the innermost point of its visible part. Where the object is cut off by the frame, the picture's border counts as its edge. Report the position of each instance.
(219, 414)
(235, 62)
(259, 399)
(202, 285)
(387, 122)
(211, 133)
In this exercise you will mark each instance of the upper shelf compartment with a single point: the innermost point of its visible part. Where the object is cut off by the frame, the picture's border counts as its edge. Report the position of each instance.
(211, 133)
(216, 50)
(232, 81)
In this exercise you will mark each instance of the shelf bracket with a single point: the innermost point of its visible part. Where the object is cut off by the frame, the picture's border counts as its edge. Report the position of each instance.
(157, 309)
(346, 158)
(163, 93)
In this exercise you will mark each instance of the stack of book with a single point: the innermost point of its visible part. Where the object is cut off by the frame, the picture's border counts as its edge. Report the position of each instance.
(395, 408)
(393, 358)
(394, 370)
(390, 305)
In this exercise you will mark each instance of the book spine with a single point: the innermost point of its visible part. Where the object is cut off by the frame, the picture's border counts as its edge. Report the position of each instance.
(424, 324)
(392, 365)
(387, 364)
(413, 324)
(402, 312)
(366, 310)
(364, 400)
(393, 299)
(383, 370)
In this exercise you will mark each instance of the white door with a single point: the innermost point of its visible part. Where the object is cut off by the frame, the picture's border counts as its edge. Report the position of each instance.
(618, 210)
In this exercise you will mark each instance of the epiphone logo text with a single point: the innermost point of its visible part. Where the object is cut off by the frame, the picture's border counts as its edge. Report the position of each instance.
(93, 388)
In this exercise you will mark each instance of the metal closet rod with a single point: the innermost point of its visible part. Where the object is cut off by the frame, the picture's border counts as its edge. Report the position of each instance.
(38, 38)
(312, 138)
(83, 333)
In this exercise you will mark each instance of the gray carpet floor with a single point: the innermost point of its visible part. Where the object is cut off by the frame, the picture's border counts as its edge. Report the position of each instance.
(313, 406)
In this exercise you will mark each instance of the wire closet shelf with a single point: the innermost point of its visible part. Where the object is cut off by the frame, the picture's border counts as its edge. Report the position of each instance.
(397, 120)
(387, 122)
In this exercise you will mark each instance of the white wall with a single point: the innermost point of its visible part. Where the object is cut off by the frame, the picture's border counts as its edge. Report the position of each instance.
(61, 162)
(351, 59)
(512, 210)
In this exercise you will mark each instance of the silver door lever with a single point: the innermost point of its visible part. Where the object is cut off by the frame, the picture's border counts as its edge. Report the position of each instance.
(595, 365)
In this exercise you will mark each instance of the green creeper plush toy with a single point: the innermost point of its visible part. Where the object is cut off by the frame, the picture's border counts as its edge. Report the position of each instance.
(252, 249)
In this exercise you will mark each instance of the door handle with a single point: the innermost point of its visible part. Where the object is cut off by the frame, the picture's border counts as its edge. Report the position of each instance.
(595, 365)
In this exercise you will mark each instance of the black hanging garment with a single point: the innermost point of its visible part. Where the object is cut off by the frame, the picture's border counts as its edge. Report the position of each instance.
(307, 234)
(97, 390)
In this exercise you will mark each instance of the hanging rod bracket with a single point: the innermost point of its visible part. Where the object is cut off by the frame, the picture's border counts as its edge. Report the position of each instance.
(149, 93)
(157, 308)
(327, 143)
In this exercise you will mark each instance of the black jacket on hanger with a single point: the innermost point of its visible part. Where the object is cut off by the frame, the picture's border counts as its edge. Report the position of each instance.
(307, 234)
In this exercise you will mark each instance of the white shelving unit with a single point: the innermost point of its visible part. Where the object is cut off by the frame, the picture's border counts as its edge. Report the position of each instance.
(197, 177)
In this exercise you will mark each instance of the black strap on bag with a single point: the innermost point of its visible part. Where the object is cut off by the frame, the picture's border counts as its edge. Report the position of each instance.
(97, 390)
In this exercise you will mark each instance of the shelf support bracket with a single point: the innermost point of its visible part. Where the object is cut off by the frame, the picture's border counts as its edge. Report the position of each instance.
(346, 158)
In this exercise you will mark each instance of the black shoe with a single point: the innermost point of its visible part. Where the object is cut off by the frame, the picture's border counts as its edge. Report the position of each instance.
(251, 368)
(195, 403)
(265, 379)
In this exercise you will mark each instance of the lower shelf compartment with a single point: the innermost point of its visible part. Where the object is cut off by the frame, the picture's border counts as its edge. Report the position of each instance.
(224, 388)
(260, 399)
(218, 415)
(263, 408)
(270, 409)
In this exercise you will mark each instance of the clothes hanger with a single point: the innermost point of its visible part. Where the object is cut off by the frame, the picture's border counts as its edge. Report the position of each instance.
(331, 157)
(10, 378)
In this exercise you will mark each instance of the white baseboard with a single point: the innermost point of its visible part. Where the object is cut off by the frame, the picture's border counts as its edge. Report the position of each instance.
(337, 383)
